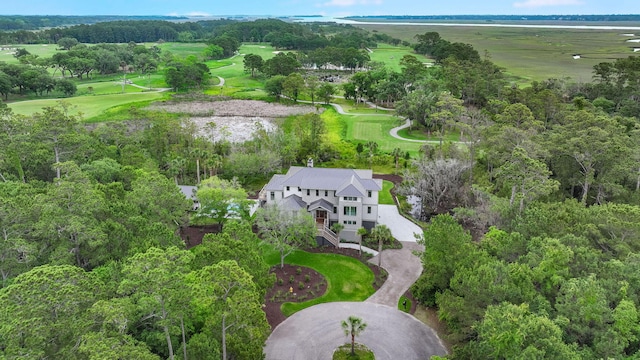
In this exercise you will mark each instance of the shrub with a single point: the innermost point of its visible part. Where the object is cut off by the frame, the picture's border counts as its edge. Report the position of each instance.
(280, 281)
(307, 278)
(300, 285)
(292, 279)
(298, 271)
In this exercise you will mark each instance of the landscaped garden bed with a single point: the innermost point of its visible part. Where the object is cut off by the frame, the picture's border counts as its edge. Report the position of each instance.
(333, 275)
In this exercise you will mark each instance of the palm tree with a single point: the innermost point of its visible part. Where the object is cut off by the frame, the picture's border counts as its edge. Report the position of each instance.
(336, 228)
(382, 234)
(361, 232)
(396, 153)
(353, 326)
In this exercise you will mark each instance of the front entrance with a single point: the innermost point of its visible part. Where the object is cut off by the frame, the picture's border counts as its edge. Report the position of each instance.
(321, 215)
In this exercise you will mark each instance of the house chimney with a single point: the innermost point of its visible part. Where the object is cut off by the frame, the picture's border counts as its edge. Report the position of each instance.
(310, 162)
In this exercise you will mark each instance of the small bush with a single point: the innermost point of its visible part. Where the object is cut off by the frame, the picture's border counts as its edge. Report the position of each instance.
(300, 285)
(298, 271)
(292, 279)
(280, 281)
(307, 278)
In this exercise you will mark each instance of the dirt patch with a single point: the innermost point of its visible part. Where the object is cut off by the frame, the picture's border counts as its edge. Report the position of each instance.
(293, 284)
(193, 235)
(234, 129)
(246, 108)
(232, 120)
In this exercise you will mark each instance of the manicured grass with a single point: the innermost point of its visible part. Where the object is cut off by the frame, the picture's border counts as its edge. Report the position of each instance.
(421, 135)
(361, 353)
(385, 197)
(89, 106)
(42, 50)
(401, 307)
(390, 55)
(347, 278)
(376, 128)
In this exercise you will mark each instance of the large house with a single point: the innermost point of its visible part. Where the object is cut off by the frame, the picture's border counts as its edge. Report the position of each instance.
(347, 196)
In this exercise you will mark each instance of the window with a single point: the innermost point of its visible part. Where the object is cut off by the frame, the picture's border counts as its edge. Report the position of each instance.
(299, 189)
(308, 192)
(326, 193)
(350, 210)
(335, 209)
(368, 209)
(317, 192)
(369, 193)
(288, 188)
(350, 198)
(349, 222)
(273, 195)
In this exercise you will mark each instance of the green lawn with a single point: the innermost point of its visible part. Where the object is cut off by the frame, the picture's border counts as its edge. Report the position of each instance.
(401, 307)
(347, 278)
(42, 50)
(376, 128)
(390, 55)
(90, 106)
(385, 197)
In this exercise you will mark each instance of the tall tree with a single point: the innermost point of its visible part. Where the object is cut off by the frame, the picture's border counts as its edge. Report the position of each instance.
(44, 312)
(155, 281)
(382, 234)
(286, 230)
(528, 178)
(229, 292)
(253, 63)
(57, 128)
(222, 199)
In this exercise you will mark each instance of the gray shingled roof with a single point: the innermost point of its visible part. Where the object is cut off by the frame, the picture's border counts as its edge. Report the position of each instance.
(294, 202)
(275, 184)
(324, 179)
(189, 191)
(321, 203)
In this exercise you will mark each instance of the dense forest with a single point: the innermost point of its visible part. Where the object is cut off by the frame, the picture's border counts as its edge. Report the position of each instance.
(532, 243)
(36, 22)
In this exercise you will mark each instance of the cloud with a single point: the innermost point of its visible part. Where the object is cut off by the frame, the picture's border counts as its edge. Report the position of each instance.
(345, 3)
(544, 3)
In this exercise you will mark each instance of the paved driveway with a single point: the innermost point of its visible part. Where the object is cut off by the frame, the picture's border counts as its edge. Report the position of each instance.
(314, 333)
(401, 228)
(403, 267)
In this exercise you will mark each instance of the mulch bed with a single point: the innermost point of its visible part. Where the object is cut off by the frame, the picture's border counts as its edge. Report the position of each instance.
(313, 285)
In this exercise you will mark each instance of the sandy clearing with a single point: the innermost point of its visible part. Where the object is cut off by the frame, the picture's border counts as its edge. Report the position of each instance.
(248, 108)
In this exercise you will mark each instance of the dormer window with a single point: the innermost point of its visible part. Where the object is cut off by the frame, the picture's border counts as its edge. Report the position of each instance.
(369, 193)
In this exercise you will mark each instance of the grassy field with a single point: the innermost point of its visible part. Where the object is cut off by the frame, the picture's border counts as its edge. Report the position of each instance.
(530, 53)
(391, 55)
(89, 106)
(40, 50)
(347, 278)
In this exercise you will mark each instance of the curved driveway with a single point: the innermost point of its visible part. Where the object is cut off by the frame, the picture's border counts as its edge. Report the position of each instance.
(314, 333)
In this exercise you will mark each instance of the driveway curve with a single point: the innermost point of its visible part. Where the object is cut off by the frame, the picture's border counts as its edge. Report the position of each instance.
(314, 333)
(403, 269)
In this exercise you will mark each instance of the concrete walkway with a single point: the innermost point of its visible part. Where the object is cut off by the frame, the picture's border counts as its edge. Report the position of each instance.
(315, 333)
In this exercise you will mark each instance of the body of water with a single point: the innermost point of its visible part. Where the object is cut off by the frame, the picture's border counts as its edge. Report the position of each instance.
(533, 26)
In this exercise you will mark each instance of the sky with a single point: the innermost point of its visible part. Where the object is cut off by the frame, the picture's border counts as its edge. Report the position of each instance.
(317, 7)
